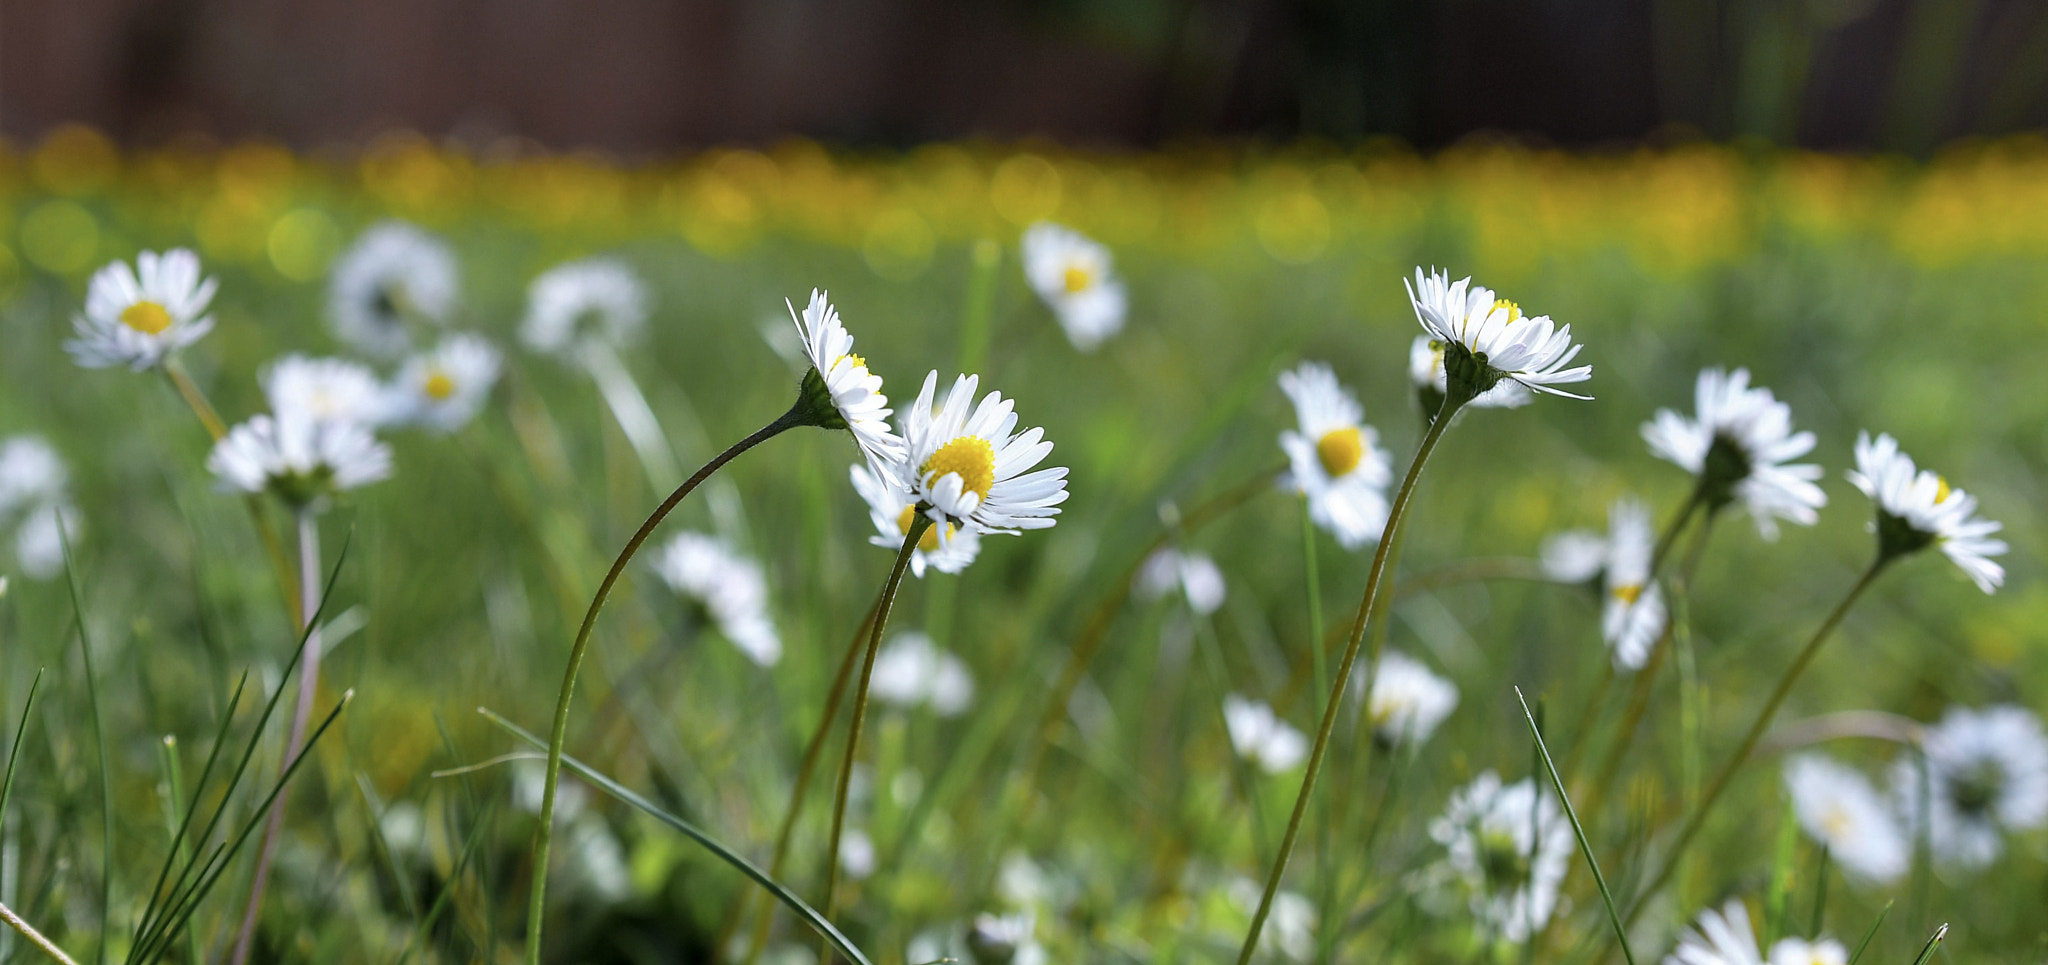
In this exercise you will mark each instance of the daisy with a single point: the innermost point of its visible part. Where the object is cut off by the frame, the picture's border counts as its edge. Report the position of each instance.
(1916, 508)
(1260, 736)
(1839, 808)
(594, 299)
(965, 463)
(304, 461)
(839, 390)
(1987, 771)
(913, 672)
(1632, 613)
(1799, 951)
(1488, 340)
(31, 473)
(1510, 846)
(1737, 445)
(1722, 937)
(138, 316)
(1426, 374)
(1408, 701)
(393, 271)
(1196, 576)
(730, 588)
(323, 390)
(444, 388)
(1335, 460)
(1072, 274)
(946, 547)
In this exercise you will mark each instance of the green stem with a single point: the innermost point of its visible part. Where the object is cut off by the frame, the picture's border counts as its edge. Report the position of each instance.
(181, 381)
(36, 938)
(1762, 723)
(559, 731)
(1373, 579)
(919, 523)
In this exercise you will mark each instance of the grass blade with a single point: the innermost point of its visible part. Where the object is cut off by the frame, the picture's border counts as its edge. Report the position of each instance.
(1586, 847)
(14, 753)
(426, 923)
(1872, 933)
(99, 735)
(1933, 942)
(797, 905)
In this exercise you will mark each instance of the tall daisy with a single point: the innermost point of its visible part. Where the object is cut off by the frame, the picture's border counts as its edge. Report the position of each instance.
(966, 463)
(1838, 807)
(840, 391)
(595, 299)
(1426, 376)
(393, 274)
(323, 390)
(1334, 459)
(138, 316)
(1408, 700)
(1737, 445)
(444, 388)
(304, 461)
(1632, 611)
(891, 509)
(1072, 274)
(1197, 577)
(1510, 847)
(1987, 773)
(1917, 509)
(1488, 340)
(730, 587)
(1260, 736)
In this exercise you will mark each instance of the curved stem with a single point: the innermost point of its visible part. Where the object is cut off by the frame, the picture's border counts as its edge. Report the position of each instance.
(1373, 579)
(559, 731)
(919, 523)
(1756, 733)
(35, 938)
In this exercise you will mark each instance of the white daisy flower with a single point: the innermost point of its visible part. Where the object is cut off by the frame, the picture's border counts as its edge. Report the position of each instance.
(1010, 939)
(1426, 375)
(844, 393)
(1916, 508)
(913, 672)
(1573, 556)
(39, 543)
(1987, 771)
(1260, 736)
(964, 461)
(596, 298)
(393, 271)
(444, 388)
(1737, 445)
(31, 473)
(323, 390)
(945, 546)
(1488, 340)
(1072, 274)
(1335, 460)
(302, 460)
(1722, 937)
(1195, 575)
(1408, 701)
(1799, 951)
(1510, 846)
(1839, 808)
(138, 316)
(856, 854)
(1632, 613)
(730, 587)
(1291, 924)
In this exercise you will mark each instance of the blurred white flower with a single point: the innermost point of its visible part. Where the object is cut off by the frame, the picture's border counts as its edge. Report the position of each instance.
(138, 316)
(1260, 736)
(1072, 274)
(1488, 340)
(730, 587)
(856, 854)
(1195, 575)
(1335, 460)
(596, 859)
(1987, 772)
(1408, 701)
(891, 510)
(1722, 937)
(323, 390)
(595, 298)
(1005, 939)
(911, 671)
(1290, 925)
(850, 393)
(1510, 846)
(1426, 375)
(304, 461)
(445, 388)
(1573, 556)
(31, 473)
(1916, 508)
(1632, 614)
(393, 271)
(1799, 951)
(1737, 445)
(529, 781)
(966, 461)
(1839, 808)
(39, 543)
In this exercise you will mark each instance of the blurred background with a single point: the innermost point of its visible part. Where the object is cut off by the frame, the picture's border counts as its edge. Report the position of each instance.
(646, 77)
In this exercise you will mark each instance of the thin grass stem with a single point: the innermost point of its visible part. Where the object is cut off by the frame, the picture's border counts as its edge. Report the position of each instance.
(1585, 846)
(14, 750)
(99, 736)
(181, 382)
(35, 938)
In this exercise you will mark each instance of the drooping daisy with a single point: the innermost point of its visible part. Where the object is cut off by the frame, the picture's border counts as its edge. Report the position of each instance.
(1916, 509)
(1488, 340)
(1736, 446)
(730, 587)
(913, 672)
(138, 316)
(1987, 772)
(31, 473)
(966, 463)
(1408, 701)
(1426, 375)
(945, 547)
(1260, 736)
(596, 298)
(1510, 846)
(1195, 575)
(445, 388)
(304, 461)
(1632, 613)
(1072, 274)
(394, 271)
(1838, 807)
(323, 390)
(1335, 460)
(839, 389)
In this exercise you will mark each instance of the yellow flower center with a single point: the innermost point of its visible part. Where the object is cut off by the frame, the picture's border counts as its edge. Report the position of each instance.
(1514, 311)
(1078, 278)
(1627, 593)
(439, 385)
(855, 359)
(1837, 822)
(1340, 450)
(971, 457)
(1941, 489)
(929, 542)
(149, 318)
